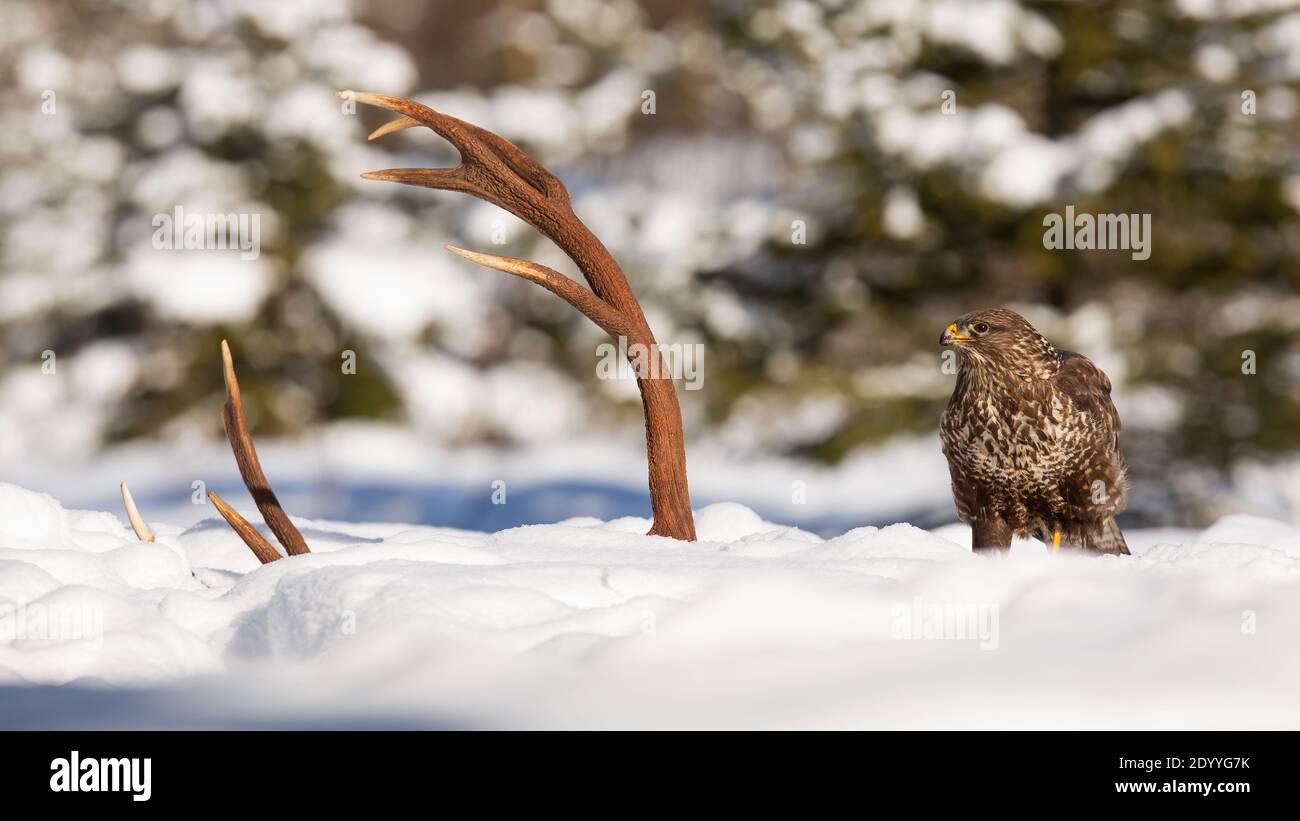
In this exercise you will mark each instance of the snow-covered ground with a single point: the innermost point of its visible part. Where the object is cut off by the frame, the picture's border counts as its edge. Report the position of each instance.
(589, 623)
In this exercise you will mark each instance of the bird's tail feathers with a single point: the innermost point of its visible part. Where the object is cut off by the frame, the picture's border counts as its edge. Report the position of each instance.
(1109, 539)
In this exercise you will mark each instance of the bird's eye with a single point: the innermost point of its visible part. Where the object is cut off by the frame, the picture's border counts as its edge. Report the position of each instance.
(980, 327)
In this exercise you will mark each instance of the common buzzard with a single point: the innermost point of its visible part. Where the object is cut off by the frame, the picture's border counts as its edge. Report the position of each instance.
(1032, 438)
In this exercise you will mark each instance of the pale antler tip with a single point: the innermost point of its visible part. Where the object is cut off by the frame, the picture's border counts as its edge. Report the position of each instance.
(486, 260)
(400, 124)
(518, 267)
(370, 98)
(142, 531)
(406, 176)
(228, 367)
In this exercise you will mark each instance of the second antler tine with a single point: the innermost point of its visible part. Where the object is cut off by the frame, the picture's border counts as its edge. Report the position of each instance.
(446, 179)
(142, 531)
(596, 309)
(250, 468)
(400, 124)
(457, 132)
(261, 548)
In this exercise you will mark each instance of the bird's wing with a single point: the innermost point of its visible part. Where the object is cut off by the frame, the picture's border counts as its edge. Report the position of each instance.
(1089, 389)
(966, 489)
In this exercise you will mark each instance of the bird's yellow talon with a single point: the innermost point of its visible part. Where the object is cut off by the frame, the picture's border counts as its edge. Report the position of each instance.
(1056, 541)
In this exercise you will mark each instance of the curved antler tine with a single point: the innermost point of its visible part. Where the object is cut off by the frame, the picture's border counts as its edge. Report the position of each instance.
(446, 179)
(596, 309)
(457, 132)
(261, 548)
(377, 100)
(476, 145)
(142, 531)
(396, 125)
(532, 271)
(250, 468)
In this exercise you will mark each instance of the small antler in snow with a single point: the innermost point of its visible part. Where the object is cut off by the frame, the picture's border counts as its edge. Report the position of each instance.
(241, 443)
(142, 531)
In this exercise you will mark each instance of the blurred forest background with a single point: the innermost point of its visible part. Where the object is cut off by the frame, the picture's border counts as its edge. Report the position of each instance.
(919, 143)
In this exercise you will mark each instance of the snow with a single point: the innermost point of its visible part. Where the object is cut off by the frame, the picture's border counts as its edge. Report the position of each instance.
(200, 286)
(590, 623)
(405, 287)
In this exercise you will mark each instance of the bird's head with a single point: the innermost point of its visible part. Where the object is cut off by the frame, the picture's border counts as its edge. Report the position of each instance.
(1000, 338)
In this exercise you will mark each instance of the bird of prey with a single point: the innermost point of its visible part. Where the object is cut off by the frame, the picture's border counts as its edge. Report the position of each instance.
(1032, 439)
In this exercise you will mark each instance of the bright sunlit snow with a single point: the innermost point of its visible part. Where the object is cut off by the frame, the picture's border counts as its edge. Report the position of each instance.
(592, 624)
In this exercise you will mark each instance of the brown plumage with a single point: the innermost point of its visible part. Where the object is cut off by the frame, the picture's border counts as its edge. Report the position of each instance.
(1031, 437)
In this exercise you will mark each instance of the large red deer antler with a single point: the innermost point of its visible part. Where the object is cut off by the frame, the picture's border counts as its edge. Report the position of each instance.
(494, 169)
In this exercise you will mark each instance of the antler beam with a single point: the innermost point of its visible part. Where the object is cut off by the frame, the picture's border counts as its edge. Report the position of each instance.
(595, 308)
(250, 468)
(495, 170)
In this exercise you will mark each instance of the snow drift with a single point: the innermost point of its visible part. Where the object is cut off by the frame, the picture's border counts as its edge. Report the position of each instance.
(587, 623)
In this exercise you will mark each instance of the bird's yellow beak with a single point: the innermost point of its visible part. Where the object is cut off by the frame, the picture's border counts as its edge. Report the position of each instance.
(952, 335)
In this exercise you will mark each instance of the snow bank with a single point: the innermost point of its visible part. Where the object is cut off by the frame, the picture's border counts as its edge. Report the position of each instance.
(591, 623)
